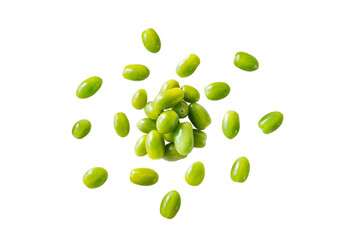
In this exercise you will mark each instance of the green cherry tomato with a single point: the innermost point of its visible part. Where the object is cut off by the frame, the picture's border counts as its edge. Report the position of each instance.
(136, 72)
(168, 98)
(168, 85)
(155, 145)
(245, 62)
(195, 174)
(140, 147)
(170, 204)
(199, 138)
(240, 170)
(121, 124)
(191, 94)
(171, 153)
(152, 111)
(139, 99)
(146, 125)
(181, 109)
(230, 124)
(81, 128)
(270, 122)
(95, 177)
(183, 138)
(169, 137)
(167, 121)
(188, 65)
(88, 87)
(199, 116)
(217, 91)
(151, 40)
(143, 176)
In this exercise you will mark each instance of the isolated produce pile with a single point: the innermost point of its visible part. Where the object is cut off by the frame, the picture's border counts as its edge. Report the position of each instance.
(166, 122)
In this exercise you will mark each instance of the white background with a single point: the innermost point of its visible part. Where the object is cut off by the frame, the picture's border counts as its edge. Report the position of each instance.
(304, 177)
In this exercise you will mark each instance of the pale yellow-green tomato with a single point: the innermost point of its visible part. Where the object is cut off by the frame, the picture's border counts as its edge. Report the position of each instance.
(183, 138)
(199, 138)
(121, 124)
(240, 170)
(155, 145)
(167, 121)
(95, 177)
(217, 91)
(170, 204)
(88, 87)
(146, 125)
(195, 174)
(81, 128)
(270, 122)
(169, 137)
(139, 99)
(151, 40)
(140, 147)
(136, 72)
(171, 153)
(199, 116)
(168, 85)
(191, 94)
(181, 109)
(230, 124)
(168, 98)
(152, 111)
(188, 65)
(144, 176)
(245, 62)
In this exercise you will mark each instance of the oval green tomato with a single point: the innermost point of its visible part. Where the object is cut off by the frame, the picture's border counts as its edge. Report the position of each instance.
(199, 116)
(81, 128)
(151, 111)
(217, 90)
(230, 124)
(121, 124)
(169, 137)
(136, 72)
(240, 170)
(270, 122)
(171, 153)
(245, 62)
(183, 138)
(195, 174)
(155, 145)
(140, 146)
(95, 177)
(200, 138)
(191, 94)
(168, 85)
(143, 176)
(139, 99)
(88, 87)
(151, 40)
(146, 125)
(167, 121)
(170, 204)
(188, 65)
(168, 98)
(181, 109)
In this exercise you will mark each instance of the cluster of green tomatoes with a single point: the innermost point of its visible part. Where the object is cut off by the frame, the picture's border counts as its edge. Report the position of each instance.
(166, 133)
